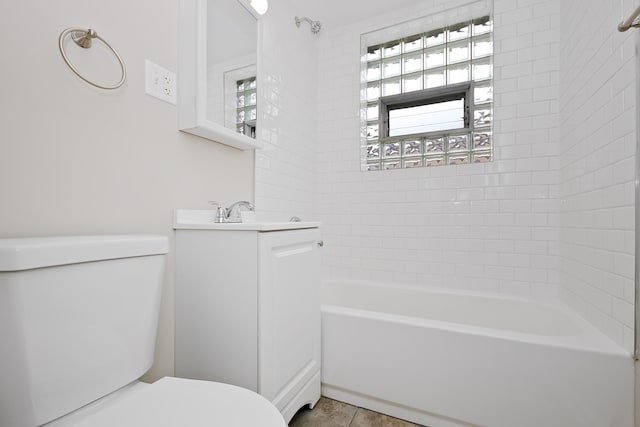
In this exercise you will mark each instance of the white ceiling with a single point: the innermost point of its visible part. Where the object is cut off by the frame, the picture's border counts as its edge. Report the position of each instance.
(335, 13)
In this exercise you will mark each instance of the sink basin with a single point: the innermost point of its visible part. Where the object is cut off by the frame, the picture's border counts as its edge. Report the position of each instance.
(193, 219)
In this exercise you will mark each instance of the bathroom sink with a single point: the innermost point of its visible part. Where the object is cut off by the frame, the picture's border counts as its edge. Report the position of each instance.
(193, 219)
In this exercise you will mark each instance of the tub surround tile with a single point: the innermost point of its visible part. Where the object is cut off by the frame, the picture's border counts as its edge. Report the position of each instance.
(332, 413)
(596, 209)
(510, 205)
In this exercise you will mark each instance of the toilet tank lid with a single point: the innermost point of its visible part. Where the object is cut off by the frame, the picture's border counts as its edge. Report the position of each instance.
(36, 252)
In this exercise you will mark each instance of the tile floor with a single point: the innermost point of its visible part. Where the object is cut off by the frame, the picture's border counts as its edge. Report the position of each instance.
(331, 413)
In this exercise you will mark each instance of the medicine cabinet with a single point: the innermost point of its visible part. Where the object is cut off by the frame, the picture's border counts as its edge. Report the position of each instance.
(217, 71)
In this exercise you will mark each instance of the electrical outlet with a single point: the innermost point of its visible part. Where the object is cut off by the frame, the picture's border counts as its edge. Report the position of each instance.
(160, 82)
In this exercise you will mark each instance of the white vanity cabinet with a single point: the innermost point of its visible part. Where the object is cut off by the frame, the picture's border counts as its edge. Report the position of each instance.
(248, 310)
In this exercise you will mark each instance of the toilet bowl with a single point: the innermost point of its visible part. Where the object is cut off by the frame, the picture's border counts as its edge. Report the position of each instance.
(171, 402)
(78, 319)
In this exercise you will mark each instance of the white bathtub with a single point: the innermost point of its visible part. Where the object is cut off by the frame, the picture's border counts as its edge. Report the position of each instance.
(459, 359)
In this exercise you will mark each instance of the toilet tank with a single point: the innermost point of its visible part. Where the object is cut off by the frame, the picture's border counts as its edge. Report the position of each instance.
(78, 320)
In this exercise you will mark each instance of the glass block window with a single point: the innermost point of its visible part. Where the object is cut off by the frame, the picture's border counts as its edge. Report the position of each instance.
(428, 98)
(246, 107)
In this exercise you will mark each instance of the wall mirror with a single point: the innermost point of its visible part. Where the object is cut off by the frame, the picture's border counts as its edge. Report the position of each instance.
(217, 71)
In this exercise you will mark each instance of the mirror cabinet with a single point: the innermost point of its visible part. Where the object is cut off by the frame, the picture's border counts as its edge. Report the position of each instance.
(218, 71)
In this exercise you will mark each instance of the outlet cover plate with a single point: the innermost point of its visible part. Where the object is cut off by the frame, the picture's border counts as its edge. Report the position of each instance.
(160, 82)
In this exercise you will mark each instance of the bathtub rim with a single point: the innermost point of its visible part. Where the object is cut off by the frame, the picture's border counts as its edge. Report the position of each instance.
(589, 339)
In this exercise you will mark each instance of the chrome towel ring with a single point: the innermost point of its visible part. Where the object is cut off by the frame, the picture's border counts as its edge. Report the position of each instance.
(83, 38)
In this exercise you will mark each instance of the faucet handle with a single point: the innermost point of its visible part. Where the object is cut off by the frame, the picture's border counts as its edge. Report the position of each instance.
(221, 213)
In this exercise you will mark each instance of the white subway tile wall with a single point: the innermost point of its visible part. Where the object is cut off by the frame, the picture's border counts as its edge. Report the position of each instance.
(597, 161)
(488, 226)
(286, 167)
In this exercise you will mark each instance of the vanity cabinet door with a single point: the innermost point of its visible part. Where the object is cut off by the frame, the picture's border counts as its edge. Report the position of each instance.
(289, 312)
(217, 306)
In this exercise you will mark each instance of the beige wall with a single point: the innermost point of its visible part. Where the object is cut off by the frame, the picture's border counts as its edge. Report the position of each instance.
(78, 160)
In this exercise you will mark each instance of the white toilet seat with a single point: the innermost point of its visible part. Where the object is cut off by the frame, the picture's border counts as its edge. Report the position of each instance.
(171, 402)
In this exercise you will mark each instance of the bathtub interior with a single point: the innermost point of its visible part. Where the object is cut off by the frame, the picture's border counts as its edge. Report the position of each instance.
(538, 317)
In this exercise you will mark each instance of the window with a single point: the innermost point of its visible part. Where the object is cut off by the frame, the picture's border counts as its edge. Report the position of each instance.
(246, 106)
(421, 112)
(428, 98)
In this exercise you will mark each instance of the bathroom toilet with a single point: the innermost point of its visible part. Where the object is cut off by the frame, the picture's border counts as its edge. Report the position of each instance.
(78, 320)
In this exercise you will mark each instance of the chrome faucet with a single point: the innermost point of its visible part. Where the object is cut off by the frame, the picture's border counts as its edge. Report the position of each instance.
(232, 213)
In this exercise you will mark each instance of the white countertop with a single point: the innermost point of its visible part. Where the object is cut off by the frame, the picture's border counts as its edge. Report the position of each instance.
(193, 219)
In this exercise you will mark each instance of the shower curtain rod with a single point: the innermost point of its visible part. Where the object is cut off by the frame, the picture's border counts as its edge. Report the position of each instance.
(630, 21)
